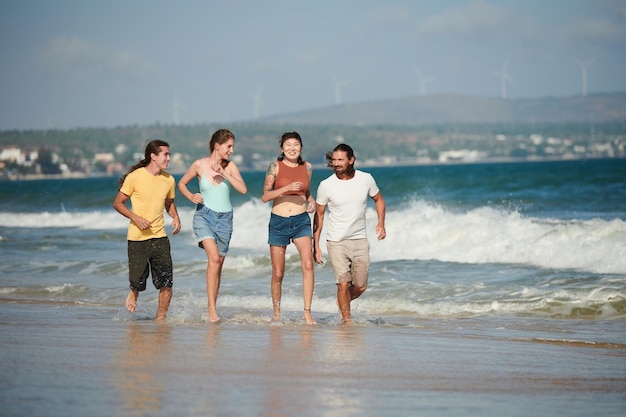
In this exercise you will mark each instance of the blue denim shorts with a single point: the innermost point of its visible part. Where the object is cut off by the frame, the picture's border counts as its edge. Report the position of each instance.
(283, 230)
(209, 224)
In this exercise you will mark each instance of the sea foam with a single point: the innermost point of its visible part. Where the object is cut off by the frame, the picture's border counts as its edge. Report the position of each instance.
(419, 230)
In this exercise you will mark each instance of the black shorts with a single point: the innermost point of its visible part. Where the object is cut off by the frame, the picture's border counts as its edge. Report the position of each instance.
(150, 255)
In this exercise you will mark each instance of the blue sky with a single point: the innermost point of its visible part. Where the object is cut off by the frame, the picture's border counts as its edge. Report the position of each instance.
(75, 63)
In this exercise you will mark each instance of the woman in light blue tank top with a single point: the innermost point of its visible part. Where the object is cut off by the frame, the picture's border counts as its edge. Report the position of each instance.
(213, 218)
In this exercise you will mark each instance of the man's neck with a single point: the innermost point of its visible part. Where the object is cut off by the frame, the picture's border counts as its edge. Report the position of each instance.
(345, 176)
(153, 169)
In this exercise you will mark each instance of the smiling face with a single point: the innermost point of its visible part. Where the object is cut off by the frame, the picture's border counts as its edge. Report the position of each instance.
(226, 149)
(342, 165)
(292, 148)
(162, 159)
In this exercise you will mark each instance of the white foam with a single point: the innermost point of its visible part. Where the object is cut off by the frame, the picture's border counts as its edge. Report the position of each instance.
(426, 231)
(419, 230)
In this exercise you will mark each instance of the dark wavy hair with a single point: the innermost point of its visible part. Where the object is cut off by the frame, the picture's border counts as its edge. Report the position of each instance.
(290, 135)
(344, 148)
(154, 147)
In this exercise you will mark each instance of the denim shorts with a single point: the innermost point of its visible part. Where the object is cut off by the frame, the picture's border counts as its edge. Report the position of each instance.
(283, 230)
(209, 224)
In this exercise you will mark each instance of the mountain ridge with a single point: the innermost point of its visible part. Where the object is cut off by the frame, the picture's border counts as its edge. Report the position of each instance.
(457, 108)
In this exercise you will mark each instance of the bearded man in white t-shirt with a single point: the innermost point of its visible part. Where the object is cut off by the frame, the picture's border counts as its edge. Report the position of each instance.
(345, 193)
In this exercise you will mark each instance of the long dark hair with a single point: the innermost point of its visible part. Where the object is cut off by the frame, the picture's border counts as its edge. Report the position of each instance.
(343, 148)
(154, 147)
(290, 135)
(220, 137)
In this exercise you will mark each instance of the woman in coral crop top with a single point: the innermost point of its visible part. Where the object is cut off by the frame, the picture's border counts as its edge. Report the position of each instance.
(287, 183)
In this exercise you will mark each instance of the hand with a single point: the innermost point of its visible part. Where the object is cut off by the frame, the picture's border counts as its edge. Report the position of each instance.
(310, 208)
(176, 225)
(197, 198)
(218, 169)
(381, 233)
(295, 186)
(318, 257)
(142, 223)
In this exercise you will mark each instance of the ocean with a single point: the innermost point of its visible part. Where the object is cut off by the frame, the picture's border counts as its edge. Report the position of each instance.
(499, 290)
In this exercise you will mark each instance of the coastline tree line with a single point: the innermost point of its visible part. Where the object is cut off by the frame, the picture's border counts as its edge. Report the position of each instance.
(257, 143)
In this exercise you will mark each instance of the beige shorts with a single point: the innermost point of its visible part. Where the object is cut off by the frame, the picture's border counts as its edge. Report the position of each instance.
(350, 260)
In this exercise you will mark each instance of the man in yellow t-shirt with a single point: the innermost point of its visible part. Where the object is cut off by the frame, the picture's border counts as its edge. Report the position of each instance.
(151, 191)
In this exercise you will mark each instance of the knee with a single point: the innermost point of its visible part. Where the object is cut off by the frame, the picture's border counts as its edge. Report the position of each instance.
(307, 265)
(215, 259)
(278, 274)
(355, 292)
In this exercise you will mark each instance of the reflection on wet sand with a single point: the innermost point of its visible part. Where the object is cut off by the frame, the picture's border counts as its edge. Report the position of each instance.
(138, 367)
(305, 369)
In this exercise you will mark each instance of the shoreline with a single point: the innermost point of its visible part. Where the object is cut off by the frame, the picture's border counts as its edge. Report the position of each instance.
(111, 365)
(80, 175)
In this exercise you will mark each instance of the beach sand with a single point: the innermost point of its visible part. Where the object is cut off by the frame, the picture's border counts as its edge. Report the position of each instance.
(68, 360)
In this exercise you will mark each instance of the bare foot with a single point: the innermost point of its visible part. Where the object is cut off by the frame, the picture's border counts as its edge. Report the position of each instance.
(131, 300)
(165, 296)
(215, 319)
(276, 307)
(308, 317)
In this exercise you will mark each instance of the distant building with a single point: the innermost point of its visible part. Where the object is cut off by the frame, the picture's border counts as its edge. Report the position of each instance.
(13, 155)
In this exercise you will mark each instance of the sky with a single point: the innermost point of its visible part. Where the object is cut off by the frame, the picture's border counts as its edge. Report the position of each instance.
(76, 64)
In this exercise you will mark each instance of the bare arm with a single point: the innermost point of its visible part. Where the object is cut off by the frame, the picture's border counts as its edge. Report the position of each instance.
(120, 205)
(318, 223)
(170, 207)
(312, 205)
(191, 173)
(381, 208)
(232, 174)
(268, 186)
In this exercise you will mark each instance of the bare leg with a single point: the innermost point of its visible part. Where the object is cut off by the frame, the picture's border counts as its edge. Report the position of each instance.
(213, 277)
(131, 300)
(305, 248)
(343, 301)
(355, 292)
(277, 254)
(165, 296)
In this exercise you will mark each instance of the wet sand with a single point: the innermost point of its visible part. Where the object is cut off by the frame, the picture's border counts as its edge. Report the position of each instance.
(63, 360)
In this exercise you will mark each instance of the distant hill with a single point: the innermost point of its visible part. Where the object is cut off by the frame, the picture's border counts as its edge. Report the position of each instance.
(449, 108)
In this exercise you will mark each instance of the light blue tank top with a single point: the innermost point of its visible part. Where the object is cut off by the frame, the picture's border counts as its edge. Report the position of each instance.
(216, 197)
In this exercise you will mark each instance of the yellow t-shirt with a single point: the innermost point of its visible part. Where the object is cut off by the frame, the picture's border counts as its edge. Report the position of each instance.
(147, 194)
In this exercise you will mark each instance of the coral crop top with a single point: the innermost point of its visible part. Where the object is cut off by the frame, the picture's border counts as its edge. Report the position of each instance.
(286, 175)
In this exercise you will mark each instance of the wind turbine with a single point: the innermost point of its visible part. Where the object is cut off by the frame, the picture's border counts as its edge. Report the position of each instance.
(583, 67)
(338, 85)
(504, 77)
(257, 103)
(177, 106)
(423, 81)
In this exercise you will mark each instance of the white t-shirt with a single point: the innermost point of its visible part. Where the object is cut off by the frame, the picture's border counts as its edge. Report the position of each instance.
(346, 201)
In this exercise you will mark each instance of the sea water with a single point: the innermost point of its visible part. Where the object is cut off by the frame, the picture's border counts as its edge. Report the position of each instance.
(498, 282)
